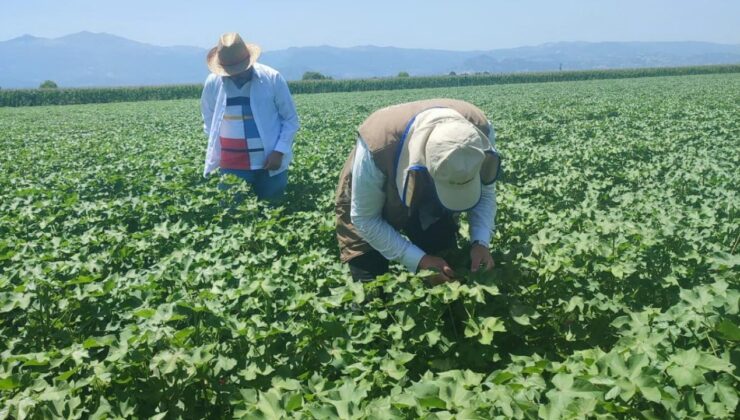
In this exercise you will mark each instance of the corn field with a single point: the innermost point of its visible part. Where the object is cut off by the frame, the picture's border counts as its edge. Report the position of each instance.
(36, 97)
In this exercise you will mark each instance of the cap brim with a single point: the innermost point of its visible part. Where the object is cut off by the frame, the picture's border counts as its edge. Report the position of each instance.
(459, 197)
(411, 155)
(216, 68)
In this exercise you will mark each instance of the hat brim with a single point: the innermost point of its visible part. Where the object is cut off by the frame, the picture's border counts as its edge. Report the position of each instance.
(216, 68)
(459, 197)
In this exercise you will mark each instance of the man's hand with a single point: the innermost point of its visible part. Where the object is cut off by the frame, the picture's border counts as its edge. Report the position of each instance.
(430, 262)
(273, 161)
(480, 257)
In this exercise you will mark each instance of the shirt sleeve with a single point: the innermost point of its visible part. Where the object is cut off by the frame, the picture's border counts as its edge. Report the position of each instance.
(289, 123)
(483, 215)
(368, 198)
(207, 105)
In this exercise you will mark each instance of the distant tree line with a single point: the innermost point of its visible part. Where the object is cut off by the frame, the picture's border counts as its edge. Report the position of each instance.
(48, 84)
(314, 75)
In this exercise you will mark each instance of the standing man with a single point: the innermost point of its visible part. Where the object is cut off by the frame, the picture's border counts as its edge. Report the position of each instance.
(414, 166)
(249, 117)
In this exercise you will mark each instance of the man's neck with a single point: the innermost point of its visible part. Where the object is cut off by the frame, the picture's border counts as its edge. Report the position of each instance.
(240, 82)
(241, 79)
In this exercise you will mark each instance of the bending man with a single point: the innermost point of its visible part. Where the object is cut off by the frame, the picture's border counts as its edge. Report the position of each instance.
(414, 168)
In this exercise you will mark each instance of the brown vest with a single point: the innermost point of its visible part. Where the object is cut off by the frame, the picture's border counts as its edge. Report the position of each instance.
(382, 132)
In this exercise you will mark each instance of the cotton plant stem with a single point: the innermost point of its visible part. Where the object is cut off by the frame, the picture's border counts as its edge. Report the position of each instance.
(734, 246)
(452, 319)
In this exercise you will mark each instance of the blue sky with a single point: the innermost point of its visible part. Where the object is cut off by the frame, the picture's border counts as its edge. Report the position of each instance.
(458, 25)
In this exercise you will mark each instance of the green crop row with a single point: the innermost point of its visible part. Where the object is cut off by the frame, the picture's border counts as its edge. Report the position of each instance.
(36, 97)
(132, 287)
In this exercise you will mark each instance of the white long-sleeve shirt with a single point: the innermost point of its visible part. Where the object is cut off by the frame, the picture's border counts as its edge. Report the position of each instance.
(368, 198)
(273, 109)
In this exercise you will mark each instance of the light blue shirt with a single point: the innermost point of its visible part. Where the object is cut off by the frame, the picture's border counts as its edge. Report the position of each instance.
(273, 109)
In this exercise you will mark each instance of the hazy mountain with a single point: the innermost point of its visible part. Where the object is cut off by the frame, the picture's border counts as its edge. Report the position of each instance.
(99, 59)
(603, 55)
(87, 59)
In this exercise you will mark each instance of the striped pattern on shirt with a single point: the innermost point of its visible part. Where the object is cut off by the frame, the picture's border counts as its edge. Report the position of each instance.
(241, 145)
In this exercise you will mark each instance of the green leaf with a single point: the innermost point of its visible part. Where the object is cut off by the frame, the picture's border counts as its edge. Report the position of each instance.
(269, 404)
(563, 381)
(432, 402)
(613, 393)
(94, 342)
(295, 401)
(651, 394)
(728, 330)
(145, 313)
(489, 326)
(8, 383)
(573, 303)
(393, 369)
(224, 364)
(727, 393)
(503, 377)
(181, 336)
(433, 336)
(684, 376)
(66, 375)
(522, 314)
(81, 280)
(714, 364)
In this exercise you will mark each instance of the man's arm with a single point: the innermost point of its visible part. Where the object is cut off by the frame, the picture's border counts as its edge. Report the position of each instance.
(289, 123)
(368, 198)
(483, 215)
(207, 104)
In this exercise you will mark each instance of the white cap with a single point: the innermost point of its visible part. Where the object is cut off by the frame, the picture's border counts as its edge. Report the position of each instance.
(458, 157)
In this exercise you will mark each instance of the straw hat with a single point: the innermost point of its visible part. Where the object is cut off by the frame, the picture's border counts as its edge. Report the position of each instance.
(458, 157)
(232, 56)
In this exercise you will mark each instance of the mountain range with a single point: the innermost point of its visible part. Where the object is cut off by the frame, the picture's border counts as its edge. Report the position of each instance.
(100, 59)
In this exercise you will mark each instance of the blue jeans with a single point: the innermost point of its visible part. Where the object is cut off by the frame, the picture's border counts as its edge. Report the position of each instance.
(265, 186)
